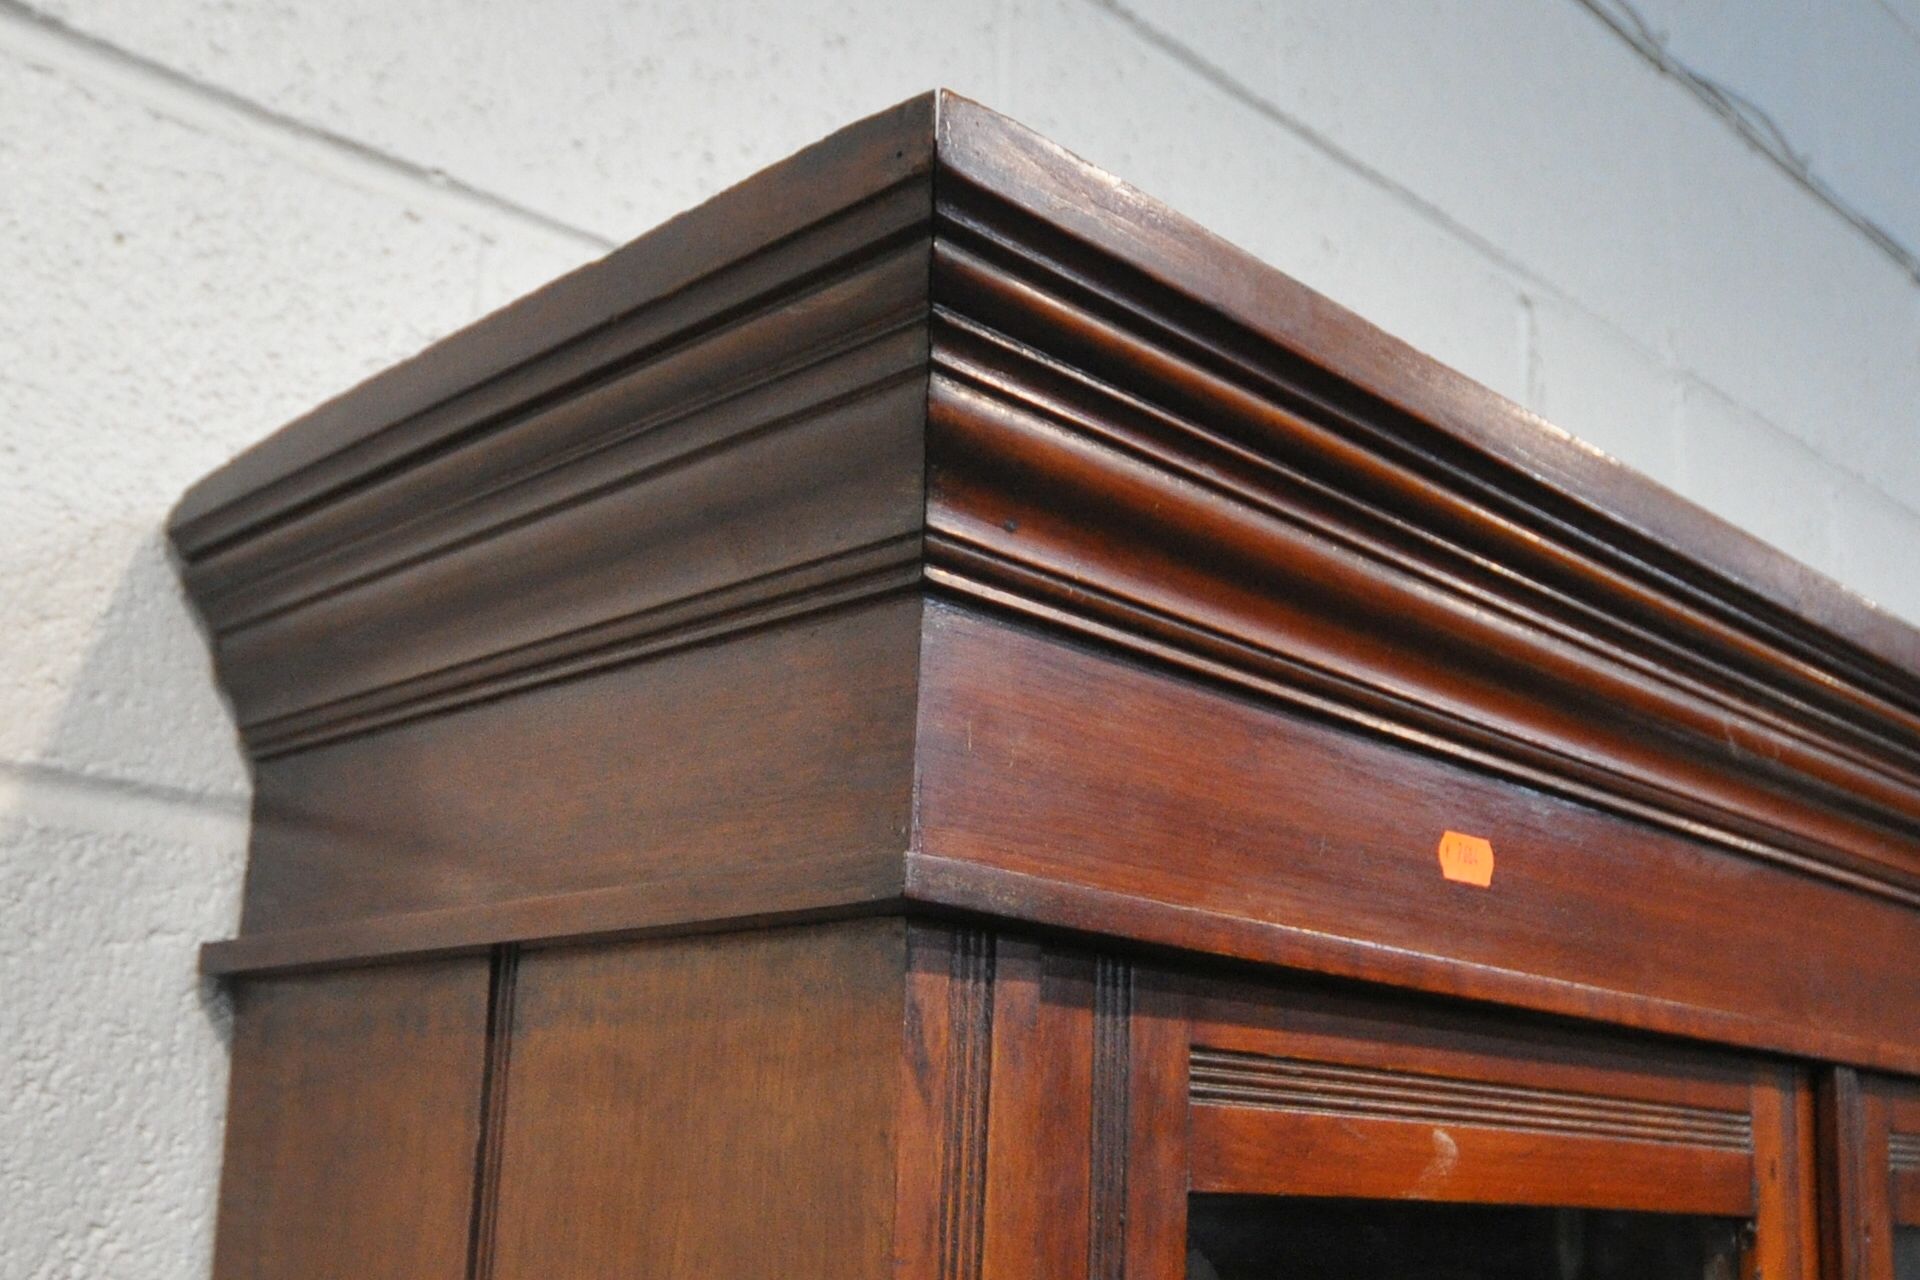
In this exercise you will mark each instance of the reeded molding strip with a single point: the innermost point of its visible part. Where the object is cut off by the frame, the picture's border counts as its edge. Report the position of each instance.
(1903, 1152)
(963, 1170)
(1111, 1122)
(1228, 1078)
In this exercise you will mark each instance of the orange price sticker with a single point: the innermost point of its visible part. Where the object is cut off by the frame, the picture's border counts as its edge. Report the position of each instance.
(1466, 859)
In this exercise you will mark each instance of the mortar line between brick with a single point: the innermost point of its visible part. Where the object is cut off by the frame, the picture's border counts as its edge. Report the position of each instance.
(1199, 65)
(46, 42)
(1534, 287)
(18, 778)
(1753, 125)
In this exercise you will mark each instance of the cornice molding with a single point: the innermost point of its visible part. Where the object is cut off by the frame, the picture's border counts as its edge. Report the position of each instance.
(1108, 455)
(937, 354)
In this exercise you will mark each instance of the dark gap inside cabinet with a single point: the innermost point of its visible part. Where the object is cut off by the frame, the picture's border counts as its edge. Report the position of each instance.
(1266, 1238)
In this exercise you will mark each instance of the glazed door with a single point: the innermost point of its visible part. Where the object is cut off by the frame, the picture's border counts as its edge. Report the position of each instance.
(1332, 1137)
(1260, 1237)
(1896, 1111)
(1083, 1115)
(1871, 1160)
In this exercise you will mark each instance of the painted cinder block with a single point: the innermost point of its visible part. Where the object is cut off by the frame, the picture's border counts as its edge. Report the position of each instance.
(1505, 185)
(605, 114)
(168, 293)
(1263, 186)
(1746, 470)
(1591, 380)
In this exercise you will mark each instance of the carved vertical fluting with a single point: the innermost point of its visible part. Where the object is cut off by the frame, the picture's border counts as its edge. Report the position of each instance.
(964, 1111)
(1112, 1043)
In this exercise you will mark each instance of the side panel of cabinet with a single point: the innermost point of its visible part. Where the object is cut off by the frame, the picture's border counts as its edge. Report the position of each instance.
(352, 1124)
(769, 773)
(694, 1107)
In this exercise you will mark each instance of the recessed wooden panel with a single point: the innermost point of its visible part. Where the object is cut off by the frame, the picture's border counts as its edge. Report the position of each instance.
(718, 1106)
(353, 1124)
(1064, 785)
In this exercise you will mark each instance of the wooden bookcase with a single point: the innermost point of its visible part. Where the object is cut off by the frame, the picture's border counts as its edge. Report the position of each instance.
(930, 719)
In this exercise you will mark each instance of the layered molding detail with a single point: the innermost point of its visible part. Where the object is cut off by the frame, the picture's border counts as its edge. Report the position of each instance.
(937, 354)
(1231, 1078)
(742, 448)
(1111, 1122)
(1106, 456)
(1903, 1152)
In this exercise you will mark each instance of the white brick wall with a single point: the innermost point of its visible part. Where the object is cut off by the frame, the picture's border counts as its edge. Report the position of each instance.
(213, 215)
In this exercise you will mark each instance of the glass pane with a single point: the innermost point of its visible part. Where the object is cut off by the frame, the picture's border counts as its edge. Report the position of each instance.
(1288, 1238)
(1906, 1253)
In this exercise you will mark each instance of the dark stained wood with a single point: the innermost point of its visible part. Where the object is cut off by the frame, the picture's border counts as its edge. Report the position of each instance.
(1158, 1122)
(833, 680)
(751, 231)
(1295, 1093)
(352, 1125)
(771, 773)
(1870, 1170)
(449, 626)
(1900, 1105)
(1854, 1166)
(1238, 1149)
(1122, 234)
(704, 1107)
(1354, 586)
(935, 352)
(940, 1217)
(1786, 1176)
(1039, 1170)
(1046, 1112)
(1136, 431)
(484, 1229)
(1210, 822)
(1842, 1175)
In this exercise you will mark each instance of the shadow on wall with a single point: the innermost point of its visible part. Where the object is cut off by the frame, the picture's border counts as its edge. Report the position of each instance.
(122, 838)
(142, 758)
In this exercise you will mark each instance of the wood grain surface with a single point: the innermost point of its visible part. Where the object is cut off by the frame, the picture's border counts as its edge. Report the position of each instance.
(1063, 785)
(353, 1123)
(704, 1107)
(605, 616)
(905, 699)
